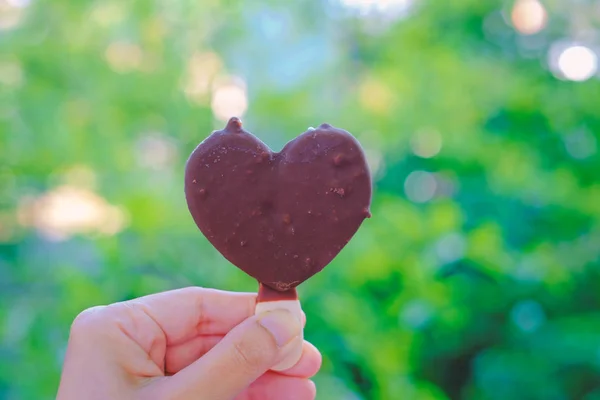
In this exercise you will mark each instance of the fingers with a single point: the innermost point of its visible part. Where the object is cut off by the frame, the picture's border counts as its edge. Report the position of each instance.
(246, 353)
(270, 386)
(273, 386)
(309, 363)
(101, 350)
(180, 356)
(184, 314)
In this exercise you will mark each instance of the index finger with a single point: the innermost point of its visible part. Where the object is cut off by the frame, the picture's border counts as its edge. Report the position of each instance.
(183, 314)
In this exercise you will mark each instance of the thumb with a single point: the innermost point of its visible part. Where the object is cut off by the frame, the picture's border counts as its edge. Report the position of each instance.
(247, 352)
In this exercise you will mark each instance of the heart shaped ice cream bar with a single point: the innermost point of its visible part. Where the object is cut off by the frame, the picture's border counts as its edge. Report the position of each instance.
(279, 217)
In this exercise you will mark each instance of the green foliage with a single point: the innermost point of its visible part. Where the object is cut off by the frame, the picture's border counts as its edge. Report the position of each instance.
(488, 290)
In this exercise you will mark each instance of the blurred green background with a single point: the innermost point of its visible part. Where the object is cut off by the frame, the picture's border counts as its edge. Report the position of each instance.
(478, 276)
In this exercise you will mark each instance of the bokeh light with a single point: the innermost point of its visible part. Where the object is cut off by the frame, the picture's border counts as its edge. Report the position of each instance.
(416, 314)
(12, 13)
(426, 143)
(391, 9)
(68, 210)
(202, 68)
(581, 144)
(376, 96)
(420, 186)
(529, 16)
(573, 62)
(18, 3)
(229, 99)
(155, 151)
(528, 315)
(123, 56)
(450, 247)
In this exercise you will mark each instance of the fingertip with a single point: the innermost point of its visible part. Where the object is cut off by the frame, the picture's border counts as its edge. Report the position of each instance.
(309, 363)
(312, 387)
(314, 352)
(273, 386)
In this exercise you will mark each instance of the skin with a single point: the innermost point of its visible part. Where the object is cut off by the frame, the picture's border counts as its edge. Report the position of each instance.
(190, 343)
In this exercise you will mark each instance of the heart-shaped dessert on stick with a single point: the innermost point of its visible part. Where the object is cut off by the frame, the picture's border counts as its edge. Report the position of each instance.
(279, 217)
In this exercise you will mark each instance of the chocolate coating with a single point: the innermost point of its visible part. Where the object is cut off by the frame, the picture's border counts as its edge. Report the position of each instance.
(267, 293)
(280, 217)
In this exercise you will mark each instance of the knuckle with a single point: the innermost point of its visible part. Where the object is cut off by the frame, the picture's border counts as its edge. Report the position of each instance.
(87, 320)
(193, 291)
(254, 355)
(247, 357)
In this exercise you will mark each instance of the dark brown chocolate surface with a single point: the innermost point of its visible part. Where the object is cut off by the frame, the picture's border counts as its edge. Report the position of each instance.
(280, 217)
(267, 293)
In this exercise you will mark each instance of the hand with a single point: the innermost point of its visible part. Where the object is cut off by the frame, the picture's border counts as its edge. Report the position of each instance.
(190, 343)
